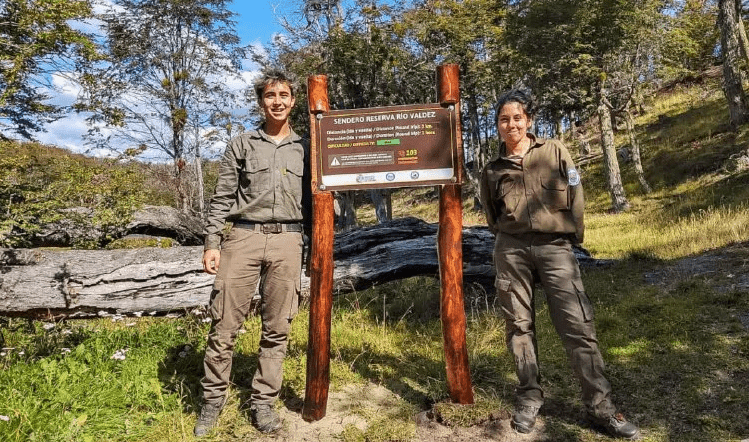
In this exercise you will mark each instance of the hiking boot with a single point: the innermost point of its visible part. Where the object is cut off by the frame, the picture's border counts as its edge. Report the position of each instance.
(265, 418)
(616, 426)
(524, 418)
(207, 418)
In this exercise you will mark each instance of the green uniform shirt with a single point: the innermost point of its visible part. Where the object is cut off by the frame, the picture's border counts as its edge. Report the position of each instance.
(542, 193)
(260, 181)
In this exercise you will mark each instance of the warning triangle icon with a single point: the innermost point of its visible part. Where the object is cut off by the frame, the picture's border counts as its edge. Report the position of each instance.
(335, 162)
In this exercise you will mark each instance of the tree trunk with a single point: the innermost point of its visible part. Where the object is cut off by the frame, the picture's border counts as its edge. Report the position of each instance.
(347, 218)
(179, 184)
(199, 177)
(383, 204)
(732, 76)
(48, 283)
(573, 126)
(636, 152)
(619, 201)
(742, 35)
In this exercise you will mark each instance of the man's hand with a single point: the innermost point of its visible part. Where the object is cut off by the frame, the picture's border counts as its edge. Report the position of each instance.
(210, 261)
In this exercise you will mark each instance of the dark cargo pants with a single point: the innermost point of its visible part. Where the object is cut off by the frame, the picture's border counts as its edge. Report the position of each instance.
(520, 261)
(247, 257)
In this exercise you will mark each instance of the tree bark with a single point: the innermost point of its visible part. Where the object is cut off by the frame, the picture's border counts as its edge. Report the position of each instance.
(636, 152)
(743, 40)
(383, 204)
(619, 201)
(347, 218)
(732, 75)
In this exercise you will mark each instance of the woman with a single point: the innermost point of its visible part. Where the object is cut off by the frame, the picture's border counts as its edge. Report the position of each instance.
(534, 205)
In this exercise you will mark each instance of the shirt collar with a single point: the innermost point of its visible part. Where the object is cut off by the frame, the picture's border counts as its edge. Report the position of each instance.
(535, 142)
(260, 133)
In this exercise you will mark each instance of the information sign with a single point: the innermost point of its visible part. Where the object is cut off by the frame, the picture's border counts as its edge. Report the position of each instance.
(395, 146)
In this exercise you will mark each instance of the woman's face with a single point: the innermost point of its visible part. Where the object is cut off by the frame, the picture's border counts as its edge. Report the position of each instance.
(513, 123)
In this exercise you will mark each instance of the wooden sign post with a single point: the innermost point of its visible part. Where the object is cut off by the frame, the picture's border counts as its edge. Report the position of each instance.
(321, 270)
(450, 250)
(396, 146)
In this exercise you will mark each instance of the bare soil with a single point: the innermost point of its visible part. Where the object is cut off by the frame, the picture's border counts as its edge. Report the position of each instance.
(347, 406)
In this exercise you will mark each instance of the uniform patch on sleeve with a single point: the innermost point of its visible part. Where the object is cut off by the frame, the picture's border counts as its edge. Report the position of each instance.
(573, 178)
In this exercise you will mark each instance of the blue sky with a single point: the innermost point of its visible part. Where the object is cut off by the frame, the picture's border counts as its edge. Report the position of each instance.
(256, 21)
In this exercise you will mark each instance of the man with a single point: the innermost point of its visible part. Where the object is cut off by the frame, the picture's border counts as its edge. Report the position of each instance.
(264, 190)
(533, 200)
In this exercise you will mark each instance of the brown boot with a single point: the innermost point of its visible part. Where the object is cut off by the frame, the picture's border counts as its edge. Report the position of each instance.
(524, 418)
(208, 417)
(615, 425)
(265, 418)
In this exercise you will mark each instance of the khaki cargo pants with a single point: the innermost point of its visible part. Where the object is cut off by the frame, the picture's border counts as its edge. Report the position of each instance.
(249, 256)
(522, 260)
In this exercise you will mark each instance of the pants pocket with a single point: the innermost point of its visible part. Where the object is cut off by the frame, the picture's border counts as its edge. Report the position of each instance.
(582, 298)
(502, 285)
(295, 299)
(216, 305)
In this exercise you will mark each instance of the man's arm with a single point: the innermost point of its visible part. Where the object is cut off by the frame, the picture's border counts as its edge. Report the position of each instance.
(224, 197)
(221, 203)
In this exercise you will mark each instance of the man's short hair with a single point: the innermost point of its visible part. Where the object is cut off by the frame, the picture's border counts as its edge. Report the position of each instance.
(519, 96)
(269, 77)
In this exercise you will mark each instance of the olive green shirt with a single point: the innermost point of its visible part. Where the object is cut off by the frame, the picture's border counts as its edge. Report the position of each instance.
(260, 181)
(542, 193)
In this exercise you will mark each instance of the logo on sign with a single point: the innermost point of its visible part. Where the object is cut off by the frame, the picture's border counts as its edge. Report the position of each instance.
(365, 179)
(390, 177)
(414, 175)
(335, 162)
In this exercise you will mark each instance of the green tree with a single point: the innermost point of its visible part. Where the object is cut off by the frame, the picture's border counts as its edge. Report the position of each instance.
(472, 34)
(690, 40)
(165, 60)
(36, 40)
(41, 185)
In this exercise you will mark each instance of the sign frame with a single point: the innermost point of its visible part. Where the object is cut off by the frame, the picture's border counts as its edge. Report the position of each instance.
(386, 147)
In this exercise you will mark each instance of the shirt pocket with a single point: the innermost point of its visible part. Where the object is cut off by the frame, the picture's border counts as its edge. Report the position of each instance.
(256, 175)
(508, 193)
(292, 177)
(554, 192)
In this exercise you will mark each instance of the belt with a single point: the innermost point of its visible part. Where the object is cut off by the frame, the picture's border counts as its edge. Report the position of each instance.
(269, 227)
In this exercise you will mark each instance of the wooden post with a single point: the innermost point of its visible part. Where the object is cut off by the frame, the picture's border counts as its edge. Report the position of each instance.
(450, 249)
(321, 269)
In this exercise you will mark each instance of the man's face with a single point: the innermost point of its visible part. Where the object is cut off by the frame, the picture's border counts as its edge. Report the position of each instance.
(277, 102)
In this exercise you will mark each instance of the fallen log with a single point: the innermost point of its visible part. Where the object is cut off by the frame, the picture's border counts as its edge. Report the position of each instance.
(81, 283)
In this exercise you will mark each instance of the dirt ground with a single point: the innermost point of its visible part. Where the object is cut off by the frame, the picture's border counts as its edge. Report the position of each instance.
(374, 398)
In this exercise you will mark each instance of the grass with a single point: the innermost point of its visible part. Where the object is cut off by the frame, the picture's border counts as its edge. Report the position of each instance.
(680, 345)
(676, 351)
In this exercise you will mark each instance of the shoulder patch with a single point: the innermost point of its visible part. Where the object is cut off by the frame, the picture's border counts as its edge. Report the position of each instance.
(573, 178)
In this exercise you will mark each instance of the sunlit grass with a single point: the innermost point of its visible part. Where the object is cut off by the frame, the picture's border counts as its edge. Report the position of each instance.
(676, 351)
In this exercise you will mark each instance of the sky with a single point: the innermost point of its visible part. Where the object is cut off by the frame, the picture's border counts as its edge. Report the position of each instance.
(257, 22)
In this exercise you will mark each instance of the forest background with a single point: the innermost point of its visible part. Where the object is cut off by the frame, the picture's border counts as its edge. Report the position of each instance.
(648, 95)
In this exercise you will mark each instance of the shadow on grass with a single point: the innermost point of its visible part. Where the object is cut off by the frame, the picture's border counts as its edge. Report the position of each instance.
(674, 349)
